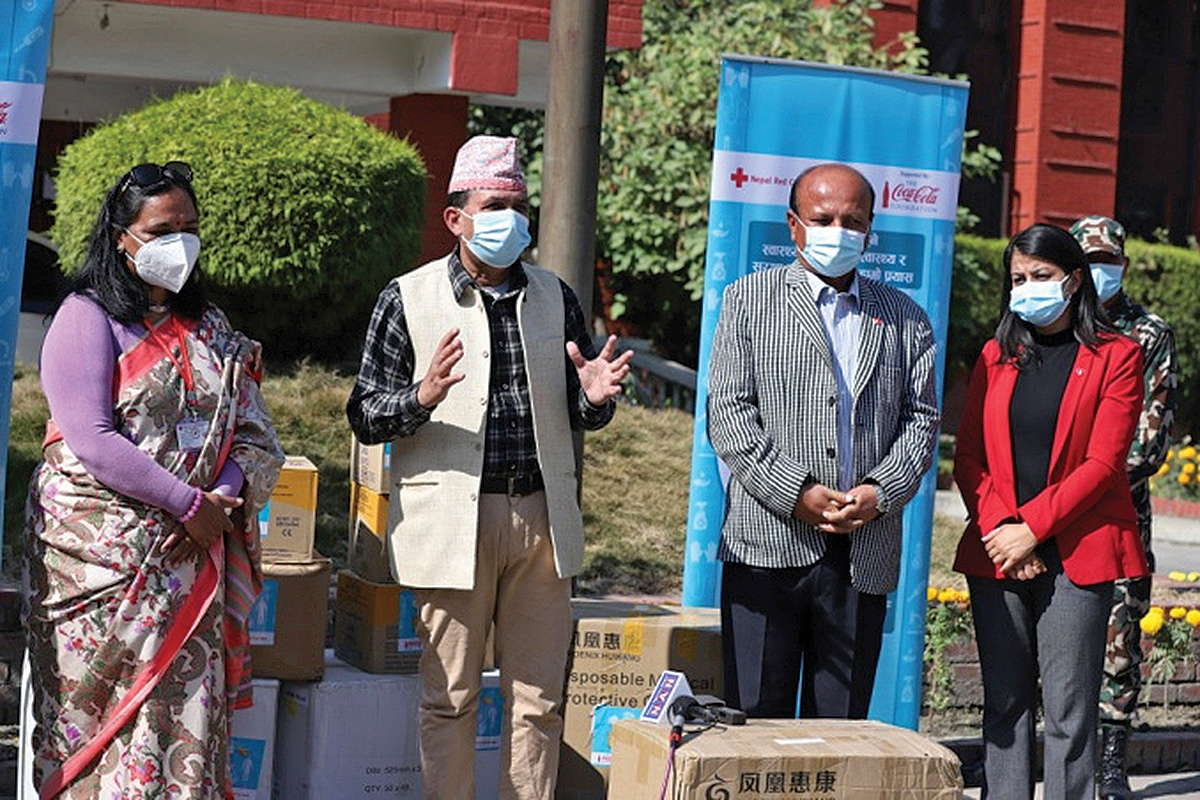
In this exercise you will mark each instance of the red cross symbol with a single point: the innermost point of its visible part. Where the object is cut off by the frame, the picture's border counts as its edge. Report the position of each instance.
(739, 177)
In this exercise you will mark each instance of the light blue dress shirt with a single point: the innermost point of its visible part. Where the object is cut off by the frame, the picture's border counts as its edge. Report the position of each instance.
(842, 316)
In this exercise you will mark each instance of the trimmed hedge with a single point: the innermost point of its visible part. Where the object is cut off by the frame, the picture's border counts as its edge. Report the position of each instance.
(1163, 278)
(306, 211)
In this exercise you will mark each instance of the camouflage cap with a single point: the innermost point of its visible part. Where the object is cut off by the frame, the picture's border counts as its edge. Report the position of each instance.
(1097, 234)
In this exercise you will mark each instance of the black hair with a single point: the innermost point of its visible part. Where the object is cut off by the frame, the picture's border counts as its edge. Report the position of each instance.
(104, 274)
(1088, 321)
(800, 179)
(459, 199)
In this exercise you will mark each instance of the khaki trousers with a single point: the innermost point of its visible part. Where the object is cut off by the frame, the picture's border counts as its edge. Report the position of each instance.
(517, 589)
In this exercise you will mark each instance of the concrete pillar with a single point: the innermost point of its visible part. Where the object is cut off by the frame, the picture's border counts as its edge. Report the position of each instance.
(1068, 110)
(437, 125)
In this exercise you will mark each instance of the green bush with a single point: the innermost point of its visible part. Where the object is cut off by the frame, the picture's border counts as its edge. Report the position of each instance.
(1165, 279)
(306, 211)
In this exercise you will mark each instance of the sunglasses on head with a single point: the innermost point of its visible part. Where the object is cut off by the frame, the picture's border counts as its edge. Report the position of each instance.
(147, 175)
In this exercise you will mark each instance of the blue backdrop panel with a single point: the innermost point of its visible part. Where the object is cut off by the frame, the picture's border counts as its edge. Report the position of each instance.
(24, 49)
(904, 133)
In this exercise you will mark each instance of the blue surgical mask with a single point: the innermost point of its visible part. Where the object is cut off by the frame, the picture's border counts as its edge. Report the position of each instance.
(832, 251)
(500, 237)
(1107, 278)
(1039, 302)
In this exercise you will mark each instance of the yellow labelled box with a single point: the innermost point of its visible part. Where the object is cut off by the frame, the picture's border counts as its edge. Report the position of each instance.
(371, 465)
(783, 758)
(375, 625)
(288, 523)
(288, 622)
(368, 547)
(618, 652)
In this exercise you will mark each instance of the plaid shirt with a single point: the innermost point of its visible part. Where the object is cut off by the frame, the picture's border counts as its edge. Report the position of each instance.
(383, 404)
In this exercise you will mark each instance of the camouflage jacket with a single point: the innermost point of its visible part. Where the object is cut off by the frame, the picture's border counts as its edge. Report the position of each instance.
(1156, 426)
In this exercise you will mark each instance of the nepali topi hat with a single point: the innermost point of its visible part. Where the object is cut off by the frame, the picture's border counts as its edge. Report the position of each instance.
(488, 163)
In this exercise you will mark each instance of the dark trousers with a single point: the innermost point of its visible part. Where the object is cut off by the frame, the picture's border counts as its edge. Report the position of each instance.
(773, 620)
(1052, 628)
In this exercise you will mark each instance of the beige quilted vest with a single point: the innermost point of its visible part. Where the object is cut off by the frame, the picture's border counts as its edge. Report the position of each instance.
(434, 508)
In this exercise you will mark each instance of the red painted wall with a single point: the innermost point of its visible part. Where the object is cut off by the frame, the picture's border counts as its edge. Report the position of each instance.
(492, 26)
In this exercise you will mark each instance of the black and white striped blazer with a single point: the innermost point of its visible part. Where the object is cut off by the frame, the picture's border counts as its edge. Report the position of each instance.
(772, 418)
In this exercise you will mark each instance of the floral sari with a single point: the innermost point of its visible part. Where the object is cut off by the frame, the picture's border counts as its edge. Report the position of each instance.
(138, 664)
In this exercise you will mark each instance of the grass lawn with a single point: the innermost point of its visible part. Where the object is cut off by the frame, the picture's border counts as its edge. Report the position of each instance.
(635, 484)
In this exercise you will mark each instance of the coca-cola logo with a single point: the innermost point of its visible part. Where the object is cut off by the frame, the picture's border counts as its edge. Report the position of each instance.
(924, 194)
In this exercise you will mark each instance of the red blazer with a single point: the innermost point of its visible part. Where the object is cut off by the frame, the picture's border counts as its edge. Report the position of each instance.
(1086, 505)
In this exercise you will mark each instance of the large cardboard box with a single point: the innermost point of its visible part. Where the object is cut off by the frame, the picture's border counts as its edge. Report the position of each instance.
(288, 523)
(354, 735)
(618, 652)
(371, 465)
(368, 534)
(783, 758)
(375, 625)
(288, 622)
(252, 743)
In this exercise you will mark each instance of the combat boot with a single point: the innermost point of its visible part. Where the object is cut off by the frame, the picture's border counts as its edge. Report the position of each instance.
(1113, 783)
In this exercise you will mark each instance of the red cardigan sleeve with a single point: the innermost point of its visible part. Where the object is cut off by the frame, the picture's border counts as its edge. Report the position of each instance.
(1109, 437)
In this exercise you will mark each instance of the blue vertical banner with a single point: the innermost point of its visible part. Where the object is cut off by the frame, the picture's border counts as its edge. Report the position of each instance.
(904, 133)
(25, 27)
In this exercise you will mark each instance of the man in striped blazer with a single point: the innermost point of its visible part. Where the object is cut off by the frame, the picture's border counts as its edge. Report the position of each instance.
(823, 405)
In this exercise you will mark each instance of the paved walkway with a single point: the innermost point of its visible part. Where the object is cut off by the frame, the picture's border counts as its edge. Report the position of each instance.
(1179, 784)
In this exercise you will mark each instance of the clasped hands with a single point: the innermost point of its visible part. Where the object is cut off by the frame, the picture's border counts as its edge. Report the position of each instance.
(218, 514)
(600, 378)
(1010, 547)
(836, 512)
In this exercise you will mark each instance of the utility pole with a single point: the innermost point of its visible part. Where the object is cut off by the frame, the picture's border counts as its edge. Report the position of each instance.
(571, 154)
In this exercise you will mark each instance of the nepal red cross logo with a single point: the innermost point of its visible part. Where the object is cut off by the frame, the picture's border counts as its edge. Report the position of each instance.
(739, 177)
(4, 107)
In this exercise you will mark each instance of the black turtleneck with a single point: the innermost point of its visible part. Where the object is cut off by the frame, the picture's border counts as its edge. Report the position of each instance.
(1034, 410)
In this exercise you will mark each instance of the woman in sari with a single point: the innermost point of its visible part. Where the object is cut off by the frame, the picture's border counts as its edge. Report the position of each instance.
(142, 553)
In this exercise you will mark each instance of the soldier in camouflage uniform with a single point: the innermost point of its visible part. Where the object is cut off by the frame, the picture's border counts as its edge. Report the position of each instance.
(1103, 241)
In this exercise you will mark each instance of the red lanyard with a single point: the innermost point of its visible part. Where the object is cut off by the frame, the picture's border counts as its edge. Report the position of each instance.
(184, 368)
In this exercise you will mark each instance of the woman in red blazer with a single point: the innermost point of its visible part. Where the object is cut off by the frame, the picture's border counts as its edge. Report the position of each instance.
(1049, 419)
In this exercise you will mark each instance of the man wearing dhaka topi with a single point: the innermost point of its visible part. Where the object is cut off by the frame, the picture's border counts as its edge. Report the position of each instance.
(478, 366)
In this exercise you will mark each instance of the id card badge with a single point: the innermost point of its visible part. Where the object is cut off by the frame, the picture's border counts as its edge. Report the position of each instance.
(191, 433)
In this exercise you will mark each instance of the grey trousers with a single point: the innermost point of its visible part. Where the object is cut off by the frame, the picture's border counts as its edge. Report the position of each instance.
(1047, 626)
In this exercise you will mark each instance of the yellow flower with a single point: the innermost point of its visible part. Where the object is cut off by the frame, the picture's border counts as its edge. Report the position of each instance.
(1188, 469)
(1151, 624)
(1163, 470)
(1188, 453)
(1176, 576)
(1170, 454)
(1184, 478)
(1193, 576)
(1193, 617)
(1178, 612)
(946, 596)
(1156, 611)
(931, 594)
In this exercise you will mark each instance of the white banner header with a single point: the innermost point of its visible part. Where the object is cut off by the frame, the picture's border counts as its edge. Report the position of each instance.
(20, 112)
(766, 180)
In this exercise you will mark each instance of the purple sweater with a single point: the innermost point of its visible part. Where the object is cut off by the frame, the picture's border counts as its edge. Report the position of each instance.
(78, 362)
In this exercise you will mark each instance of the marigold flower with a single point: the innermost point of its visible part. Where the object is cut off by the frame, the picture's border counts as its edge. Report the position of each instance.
(1188, 453)
(1151, 624)
(1184, 478)
(1163, 470)
(1193, 576)
(1178, 612)
(931, 594)
(1193, 617)
(1170, 454)
(1188, 469)
(1176, 576)
(946, 596)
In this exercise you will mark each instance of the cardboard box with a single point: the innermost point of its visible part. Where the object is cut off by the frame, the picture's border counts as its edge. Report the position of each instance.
(354, 735)
(288, 523)
(783, 758)
(375, 625)
(252, 743)
(368, 548)
(371, 465)
(618, 652)
(287, 623)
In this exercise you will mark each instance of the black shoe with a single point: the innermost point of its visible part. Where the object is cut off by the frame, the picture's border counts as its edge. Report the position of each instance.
(1113, 783)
